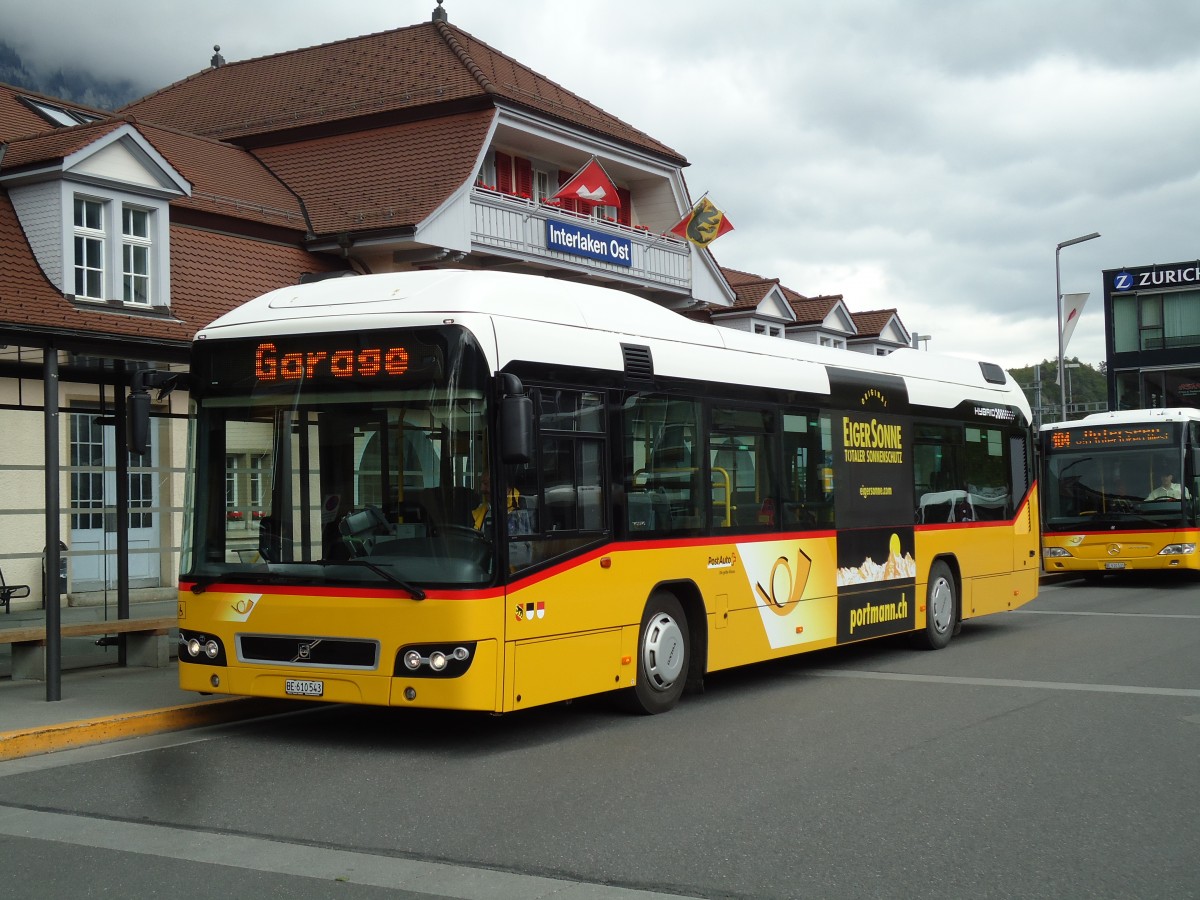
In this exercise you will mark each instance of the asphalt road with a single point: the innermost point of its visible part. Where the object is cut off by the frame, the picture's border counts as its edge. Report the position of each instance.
(1050, 752)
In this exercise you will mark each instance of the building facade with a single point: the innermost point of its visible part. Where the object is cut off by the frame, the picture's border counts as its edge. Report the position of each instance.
(1152, 319)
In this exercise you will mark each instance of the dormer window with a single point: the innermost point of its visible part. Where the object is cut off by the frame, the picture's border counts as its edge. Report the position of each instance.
(112, 265)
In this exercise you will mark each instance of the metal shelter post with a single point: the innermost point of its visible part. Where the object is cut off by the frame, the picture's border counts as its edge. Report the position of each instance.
(50, 415)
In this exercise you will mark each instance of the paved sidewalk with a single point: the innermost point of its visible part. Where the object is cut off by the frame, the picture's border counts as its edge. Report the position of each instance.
(101, 701)
(110, 704)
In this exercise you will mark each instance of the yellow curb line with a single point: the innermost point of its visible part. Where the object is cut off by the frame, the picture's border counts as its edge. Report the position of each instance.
(47, 739)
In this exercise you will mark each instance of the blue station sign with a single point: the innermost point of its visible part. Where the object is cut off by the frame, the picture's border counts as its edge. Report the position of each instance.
(579, 241)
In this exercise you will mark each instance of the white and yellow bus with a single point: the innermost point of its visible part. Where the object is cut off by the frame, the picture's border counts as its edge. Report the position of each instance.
(487, 491)
(1121, 491)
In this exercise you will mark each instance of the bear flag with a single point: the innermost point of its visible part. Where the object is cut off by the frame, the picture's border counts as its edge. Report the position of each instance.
(703, 224)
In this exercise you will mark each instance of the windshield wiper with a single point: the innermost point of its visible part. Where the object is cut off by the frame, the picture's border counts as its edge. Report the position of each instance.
(413, 591)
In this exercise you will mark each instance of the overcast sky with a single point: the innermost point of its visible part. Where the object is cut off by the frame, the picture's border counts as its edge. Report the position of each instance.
(925, 155)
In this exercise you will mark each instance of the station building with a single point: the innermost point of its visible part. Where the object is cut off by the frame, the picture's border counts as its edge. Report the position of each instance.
(122, 234)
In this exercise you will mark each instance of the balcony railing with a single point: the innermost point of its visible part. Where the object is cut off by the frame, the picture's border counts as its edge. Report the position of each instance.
(517, 226)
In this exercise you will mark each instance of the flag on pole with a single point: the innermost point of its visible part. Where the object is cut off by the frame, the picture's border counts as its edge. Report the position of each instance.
(703, 224)
(590, 186)
(1072, 310)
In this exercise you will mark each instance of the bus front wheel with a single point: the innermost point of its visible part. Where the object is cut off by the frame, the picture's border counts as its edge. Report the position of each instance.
(662, 656)
(941, 609)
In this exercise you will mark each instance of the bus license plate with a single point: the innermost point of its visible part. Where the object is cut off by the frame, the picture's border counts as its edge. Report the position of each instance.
(299, 688)
(1114, 565)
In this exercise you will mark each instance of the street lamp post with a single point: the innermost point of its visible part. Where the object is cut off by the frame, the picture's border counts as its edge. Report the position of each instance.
(1062, 388)
(1070, 388)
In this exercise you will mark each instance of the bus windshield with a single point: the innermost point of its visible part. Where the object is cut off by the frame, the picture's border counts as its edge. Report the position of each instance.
(354, 459)
(1097, 487)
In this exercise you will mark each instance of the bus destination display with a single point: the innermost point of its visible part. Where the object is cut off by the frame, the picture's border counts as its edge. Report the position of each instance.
(377, 359)
(1140, 435)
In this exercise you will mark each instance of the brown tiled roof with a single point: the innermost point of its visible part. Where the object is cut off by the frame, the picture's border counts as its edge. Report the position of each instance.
(57, 144)
(213, 273)
(401, 172)
(403, 74)
(813, 310)
(225, 179)
(872, 322)
(749, 289)
(18, 120)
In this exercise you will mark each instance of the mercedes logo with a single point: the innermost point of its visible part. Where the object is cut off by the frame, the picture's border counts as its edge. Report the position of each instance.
(1114, 549)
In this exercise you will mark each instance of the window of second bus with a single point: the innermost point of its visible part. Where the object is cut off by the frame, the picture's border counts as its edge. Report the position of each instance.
(807, 470)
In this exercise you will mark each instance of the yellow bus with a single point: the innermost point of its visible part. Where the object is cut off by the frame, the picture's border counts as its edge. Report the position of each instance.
(486, 491)
(1120, 491)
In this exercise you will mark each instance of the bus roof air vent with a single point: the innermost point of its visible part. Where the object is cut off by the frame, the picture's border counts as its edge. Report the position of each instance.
(638, 361)
(992, 373)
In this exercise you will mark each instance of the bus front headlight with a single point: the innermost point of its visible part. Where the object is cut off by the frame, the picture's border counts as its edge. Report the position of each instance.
(1177, 550)
(1050, 552)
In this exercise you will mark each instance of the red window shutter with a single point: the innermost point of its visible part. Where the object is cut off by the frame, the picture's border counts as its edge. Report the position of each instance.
(624, 214)
(568, 205)
(504, 179)
(524, 170)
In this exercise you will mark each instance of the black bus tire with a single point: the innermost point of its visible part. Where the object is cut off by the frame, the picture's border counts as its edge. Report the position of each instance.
(941, 609)
(663, 654)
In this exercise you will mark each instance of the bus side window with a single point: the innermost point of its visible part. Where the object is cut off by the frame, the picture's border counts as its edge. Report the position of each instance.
(663, 465)
(807, 482)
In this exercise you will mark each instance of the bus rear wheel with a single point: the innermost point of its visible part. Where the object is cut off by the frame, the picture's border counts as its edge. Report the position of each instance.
(663, 653)
(941, 609)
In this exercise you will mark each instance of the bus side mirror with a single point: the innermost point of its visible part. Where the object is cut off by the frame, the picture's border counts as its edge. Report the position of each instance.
(516, 422)
(137, 412)
(137, 421)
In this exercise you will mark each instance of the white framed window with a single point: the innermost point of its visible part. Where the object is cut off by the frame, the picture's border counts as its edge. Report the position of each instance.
(89, 247)
(136, 246)
(117, 248)
(605, 213)
(544, 185)
(760, 329)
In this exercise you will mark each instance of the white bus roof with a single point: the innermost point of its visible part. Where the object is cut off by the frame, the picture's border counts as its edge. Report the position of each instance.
(1131, 417)
(555, 321)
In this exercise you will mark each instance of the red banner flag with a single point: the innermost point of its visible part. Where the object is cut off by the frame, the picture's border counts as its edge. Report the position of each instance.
(703, 224)
(590, 186)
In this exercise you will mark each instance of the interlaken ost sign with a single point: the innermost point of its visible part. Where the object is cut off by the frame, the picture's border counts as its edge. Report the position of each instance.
(580, 241)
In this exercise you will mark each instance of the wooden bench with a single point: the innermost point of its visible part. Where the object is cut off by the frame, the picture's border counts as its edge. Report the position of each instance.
(147, 643)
